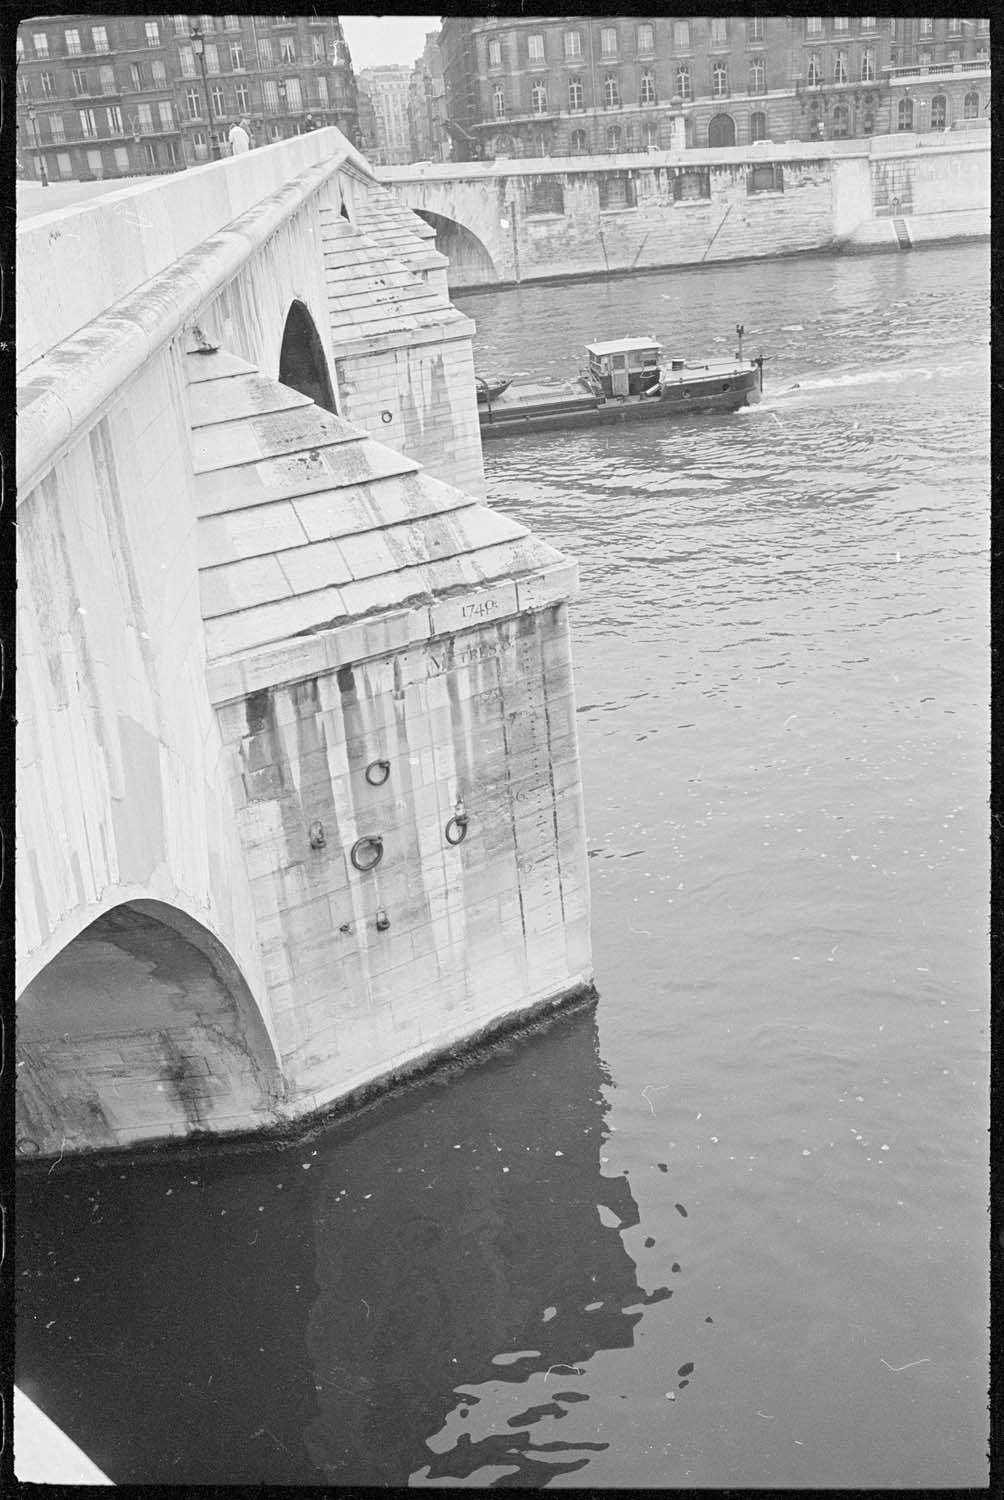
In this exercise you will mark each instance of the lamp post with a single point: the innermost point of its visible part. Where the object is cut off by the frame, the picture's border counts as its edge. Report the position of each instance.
(43, 175)
(199, 48)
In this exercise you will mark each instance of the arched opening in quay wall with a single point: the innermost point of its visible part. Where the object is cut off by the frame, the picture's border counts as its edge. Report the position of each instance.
(141, 1029)
(470, 262)
(302, 364)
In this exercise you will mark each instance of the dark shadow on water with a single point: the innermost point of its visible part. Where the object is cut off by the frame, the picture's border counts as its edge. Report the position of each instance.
(316, 1313)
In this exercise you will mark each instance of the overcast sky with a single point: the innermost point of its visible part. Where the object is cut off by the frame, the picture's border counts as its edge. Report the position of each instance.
(374, 40)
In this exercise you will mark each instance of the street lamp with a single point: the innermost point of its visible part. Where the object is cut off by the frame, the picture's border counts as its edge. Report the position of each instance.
(43, 175)
(199, 48)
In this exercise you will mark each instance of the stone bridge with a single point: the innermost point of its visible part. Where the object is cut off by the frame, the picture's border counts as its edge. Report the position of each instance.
(510, 221)
(299, 808)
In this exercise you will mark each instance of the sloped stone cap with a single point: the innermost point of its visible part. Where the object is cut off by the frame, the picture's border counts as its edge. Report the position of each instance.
(398, 231)
(306, 523)
(371, 291)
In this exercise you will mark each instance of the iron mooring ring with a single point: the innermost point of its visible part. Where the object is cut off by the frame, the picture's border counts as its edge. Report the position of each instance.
(371, 842)
(377, 772)
(456, 829)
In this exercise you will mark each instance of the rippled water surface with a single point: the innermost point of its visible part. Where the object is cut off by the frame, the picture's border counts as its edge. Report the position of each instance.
(728, 1227)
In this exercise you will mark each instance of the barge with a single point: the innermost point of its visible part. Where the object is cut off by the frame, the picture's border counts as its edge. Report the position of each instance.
(626, 381)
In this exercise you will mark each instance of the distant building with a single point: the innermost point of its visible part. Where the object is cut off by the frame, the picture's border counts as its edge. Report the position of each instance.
(427, 105)
(563, 86)
(387, 88)
(115, 96)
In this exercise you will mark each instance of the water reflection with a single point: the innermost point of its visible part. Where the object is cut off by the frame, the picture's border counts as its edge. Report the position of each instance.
(495, 1249)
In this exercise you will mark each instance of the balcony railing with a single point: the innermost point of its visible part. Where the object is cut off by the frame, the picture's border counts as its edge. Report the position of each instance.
(927, 70)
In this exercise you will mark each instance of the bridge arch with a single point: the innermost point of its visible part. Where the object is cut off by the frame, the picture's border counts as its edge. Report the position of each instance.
(470, 261)
(142, 1028)
(302, 364)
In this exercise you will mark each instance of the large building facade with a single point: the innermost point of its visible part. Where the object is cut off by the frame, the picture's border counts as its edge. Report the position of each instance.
(388, 89)
(115, 96)
(554, 86)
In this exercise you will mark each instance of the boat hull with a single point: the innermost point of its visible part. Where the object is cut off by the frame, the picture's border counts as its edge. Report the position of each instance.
(678, 398)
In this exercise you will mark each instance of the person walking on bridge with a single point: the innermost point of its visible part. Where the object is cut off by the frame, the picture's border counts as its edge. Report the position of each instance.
(240, 138)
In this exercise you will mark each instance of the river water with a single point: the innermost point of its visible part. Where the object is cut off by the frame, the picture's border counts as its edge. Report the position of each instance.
(727, 1227)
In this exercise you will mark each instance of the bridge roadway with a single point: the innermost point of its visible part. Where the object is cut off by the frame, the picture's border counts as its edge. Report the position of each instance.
(514, 220)
(299, 806)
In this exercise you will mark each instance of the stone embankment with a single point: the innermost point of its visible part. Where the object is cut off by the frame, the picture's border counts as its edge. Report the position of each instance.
(506, 222)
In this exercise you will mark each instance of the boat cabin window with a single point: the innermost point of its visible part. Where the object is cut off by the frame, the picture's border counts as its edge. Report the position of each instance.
(639, 364)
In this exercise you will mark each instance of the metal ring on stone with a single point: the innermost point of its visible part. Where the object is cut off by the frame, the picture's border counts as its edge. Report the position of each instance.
(459, 830)
(367, 852)
(377, 772)
(26, 1146)
(386, 416)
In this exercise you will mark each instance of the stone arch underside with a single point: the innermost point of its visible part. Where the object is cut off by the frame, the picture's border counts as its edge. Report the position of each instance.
(302, 364)
(140, 1029)
(470, 262)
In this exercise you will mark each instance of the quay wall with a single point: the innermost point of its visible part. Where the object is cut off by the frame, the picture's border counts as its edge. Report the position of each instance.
(541, 219)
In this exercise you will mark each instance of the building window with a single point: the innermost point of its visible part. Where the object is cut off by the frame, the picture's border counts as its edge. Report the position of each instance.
(646, 39)
(122, 158)
(186, 58)
(926, 26)
(46, 84)
(58, 128)
(152, 34)
(144, 117)
(208, 23)
(719, 80)
(868, 65)
(758, 77)
(573, 43)
(19, 48)
(78, 78)
(754, 29)
(954, 26)
(611, 92)
(211, 57)
(40, 41)
(939, 112)
(578, 142)
(841, 23)
(546, 197)
(608, 41)
(683, 85)
(270, 95)
(244, 97)
(64, 164)
(265, 52)
(150, 153)
(495, 53)
(688, 186)
(651, 135)
(216, 95)
(322, 93)
(646, 93)
(231, 23)
(767, 178)
(23, 87)
(721, 131)
(575, 95)
(106, 73)
(95, 164)
(72, 43)
(88, 124)
(287, 49)
(814, 25)
(159, 71)
(840, 124)
(758, 126)
(815, 72)
(904, 115)
(99, 38)
(971, 107)
(192, 103)
(535, 47)
(538, 97)
(719, 31)
(294, 100)
(954, 55)
(316, 47)
(166, 113)
(616, 191)
(840, 68)
(136, 76)
(498, 101)
(237, 57)
(868, 23)
(681, 36)
(613, 138)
